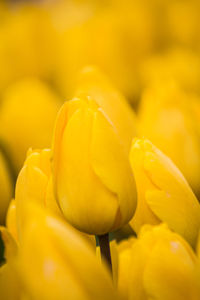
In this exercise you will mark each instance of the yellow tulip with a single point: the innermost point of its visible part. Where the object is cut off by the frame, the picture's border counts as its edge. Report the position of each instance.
(163, 193)
(6, 187)
(179, 64)
(27, 44)
(161, 266)
(56, 263)
(34, 184)
(93, 180)
(179, 138)
(91, 32)
(95, 85)
(27, 116)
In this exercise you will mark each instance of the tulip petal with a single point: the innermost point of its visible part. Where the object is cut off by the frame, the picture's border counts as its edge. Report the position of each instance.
(174, 201)
(111, 165)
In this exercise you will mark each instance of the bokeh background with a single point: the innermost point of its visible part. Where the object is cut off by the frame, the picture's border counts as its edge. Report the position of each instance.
(150, 50)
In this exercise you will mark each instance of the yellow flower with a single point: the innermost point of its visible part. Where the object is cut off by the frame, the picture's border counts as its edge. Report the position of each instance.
(6, 190)
(178, 64)
(161, 265)
(28, 112)
(56, 263)
(27, 43)
(179, 137)
(34, 184)
(163, 193)
(93, 180)
(95, 85)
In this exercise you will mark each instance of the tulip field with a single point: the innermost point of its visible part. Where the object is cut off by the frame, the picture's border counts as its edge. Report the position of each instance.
(100, 150)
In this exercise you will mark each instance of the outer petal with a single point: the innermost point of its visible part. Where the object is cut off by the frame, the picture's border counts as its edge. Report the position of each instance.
(111, 165)
(11, 222)
(143, 212)
(31, 186)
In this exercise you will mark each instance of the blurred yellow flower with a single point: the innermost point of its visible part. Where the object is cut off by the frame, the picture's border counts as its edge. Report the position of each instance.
(163, 193)
(27, 115)
(93, 180)
(179, 138)
(27, 44)
(6, 191)
(178, 64)
(56, 263)
(160, 265)
(114, 36)
(97, 86)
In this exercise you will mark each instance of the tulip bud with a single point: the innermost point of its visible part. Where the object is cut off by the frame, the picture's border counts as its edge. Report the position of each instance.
(161, 265)
(94, 184)
(56, 263)
(24, 120)
(163, 193)
(27, 43)
(34, 184)
(95, 85)
(179, 138)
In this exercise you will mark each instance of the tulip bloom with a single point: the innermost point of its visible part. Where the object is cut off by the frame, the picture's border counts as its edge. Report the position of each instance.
(93, 181)
(19, 126)
(163, 193)
(179, 138)
(161, 265)
(56, 263)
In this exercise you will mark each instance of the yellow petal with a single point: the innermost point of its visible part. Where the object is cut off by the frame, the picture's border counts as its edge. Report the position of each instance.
(111, 165)
(168, 196)
(58, 270)
(11, 221)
